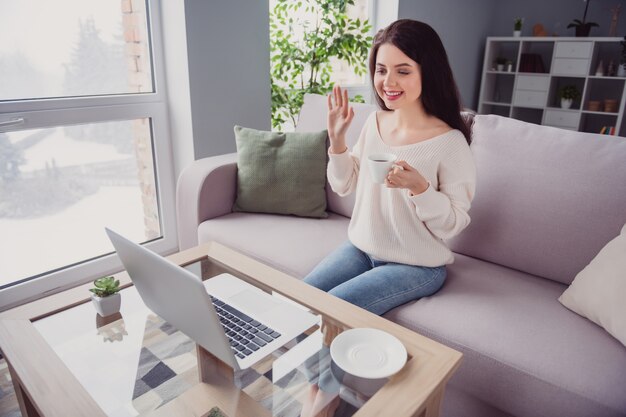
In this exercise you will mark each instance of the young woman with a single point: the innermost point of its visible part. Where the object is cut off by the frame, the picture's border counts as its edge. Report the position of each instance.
(396, 250)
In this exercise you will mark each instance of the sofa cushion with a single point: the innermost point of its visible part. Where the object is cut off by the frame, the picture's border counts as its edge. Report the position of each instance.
(546, 199)
(599, 291)
(312, 116)
(524, 352)
(293, 245)
(283, 173)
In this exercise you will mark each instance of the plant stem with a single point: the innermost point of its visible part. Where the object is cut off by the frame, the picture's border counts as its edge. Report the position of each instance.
(586, 7)
(314, 64)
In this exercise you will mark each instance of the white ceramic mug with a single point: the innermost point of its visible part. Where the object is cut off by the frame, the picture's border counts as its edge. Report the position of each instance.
(380, 164)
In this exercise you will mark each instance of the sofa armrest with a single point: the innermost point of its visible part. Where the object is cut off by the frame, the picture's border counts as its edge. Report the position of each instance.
(206, 189)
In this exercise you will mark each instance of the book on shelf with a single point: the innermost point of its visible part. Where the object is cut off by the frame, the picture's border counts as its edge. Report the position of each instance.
(607, 130)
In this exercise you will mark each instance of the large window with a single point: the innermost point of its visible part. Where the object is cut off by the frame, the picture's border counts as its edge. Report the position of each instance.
(83, 140)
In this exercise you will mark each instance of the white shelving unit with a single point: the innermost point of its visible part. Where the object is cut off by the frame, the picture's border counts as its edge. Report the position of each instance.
(540, 66)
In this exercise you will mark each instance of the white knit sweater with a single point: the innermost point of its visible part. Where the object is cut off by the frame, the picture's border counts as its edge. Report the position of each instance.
(388, 223)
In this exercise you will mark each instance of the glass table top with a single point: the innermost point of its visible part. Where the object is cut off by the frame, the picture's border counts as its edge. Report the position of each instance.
(133, 363)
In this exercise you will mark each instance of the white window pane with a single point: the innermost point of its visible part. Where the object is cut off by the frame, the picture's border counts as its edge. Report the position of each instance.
(67, 48)
(61, 186)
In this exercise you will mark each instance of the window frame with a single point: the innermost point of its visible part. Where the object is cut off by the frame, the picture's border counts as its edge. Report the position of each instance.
(53, 112)
(365, 89)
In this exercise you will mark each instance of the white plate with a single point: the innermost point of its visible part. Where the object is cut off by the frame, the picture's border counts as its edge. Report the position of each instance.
(368, 353)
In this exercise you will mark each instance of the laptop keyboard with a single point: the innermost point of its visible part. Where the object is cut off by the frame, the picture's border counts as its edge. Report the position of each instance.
(244, 334)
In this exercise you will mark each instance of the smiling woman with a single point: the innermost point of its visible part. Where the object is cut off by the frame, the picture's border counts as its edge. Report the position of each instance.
(83, 138)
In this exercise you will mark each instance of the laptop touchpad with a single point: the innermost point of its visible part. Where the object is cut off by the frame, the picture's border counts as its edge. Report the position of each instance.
(253, 302)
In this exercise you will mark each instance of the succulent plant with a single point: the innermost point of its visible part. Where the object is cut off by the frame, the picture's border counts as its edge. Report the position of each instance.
(105, 286)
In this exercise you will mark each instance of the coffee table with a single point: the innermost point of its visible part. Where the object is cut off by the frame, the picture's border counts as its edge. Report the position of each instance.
(65, 360)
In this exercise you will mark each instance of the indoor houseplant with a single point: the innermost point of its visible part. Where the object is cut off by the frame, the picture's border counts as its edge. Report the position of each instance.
(621, 69)
(568, 94)
(500, 63)
(517, 26)
(105, 295)
(301, 50)
(582, 26)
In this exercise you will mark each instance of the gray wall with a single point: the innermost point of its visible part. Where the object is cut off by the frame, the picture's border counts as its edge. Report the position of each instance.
(555, 15)
(464, 25)
(228, 52)
(229, 70)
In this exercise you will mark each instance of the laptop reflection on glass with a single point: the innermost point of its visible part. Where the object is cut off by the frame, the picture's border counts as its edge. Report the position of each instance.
(235, 321)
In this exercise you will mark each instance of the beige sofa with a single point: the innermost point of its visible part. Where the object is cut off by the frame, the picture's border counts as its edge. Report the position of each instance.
(547, 201)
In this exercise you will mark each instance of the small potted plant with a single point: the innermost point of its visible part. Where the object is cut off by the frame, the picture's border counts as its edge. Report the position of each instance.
(517, 26)
(621, 68)
(105, 295)
(582, 26)
(500, 63)
(568, 94)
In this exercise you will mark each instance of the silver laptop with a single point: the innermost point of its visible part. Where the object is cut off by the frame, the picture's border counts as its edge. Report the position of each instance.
(235, 321)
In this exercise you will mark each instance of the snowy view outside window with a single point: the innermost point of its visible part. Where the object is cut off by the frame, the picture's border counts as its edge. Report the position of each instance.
(60, 185)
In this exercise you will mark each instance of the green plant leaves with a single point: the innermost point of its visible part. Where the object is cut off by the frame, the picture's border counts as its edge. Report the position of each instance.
(105, 286)
(301, 52)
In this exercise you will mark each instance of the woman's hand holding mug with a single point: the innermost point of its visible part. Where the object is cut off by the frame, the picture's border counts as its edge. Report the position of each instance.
(405, 176)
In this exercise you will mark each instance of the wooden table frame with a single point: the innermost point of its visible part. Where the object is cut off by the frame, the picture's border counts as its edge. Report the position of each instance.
(41, 379)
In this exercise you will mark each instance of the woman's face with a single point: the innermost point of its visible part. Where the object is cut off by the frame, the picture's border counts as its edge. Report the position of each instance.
(397, 79)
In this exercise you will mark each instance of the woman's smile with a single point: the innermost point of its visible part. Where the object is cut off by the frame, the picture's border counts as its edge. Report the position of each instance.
(392, 95)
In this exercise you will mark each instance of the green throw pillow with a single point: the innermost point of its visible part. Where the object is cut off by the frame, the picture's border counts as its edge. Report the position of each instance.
(281, 173)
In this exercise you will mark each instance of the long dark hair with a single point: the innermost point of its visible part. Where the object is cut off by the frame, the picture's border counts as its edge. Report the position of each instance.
(420, 42)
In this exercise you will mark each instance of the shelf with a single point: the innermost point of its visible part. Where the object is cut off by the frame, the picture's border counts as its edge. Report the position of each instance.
(497, 103)
(602, 113)
(501, 72)
(606, 77)
(571, 110)
(549, 64)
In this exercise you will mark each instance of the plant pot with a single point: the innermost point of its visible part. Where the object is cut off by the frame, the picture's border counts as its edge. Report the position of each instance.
(593, 105)
(500, 67)
(621, 70)
(610, 105)
(583, 30)
(106, 306)
(517, 33)
(566, 103)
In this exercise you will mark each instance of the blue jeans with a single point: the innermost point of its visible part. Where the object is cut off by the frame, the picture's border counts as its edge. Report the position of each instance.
(377, 286)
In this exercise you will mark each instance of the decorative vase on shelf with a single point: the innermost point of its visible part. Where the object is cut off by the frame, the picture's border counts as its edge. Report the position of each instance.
(500, 67)
(600, 69)
(566, 103)
(610, 71)
(621, 70)
(594, 105)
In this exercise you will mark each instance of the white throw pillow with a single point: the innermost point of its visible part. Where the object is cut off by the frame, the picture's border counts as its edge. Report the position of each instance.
(599, 291)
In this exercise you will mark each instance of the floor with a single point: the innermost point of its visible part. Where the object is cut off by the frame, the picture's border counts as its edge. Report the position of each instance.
(8, 402)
